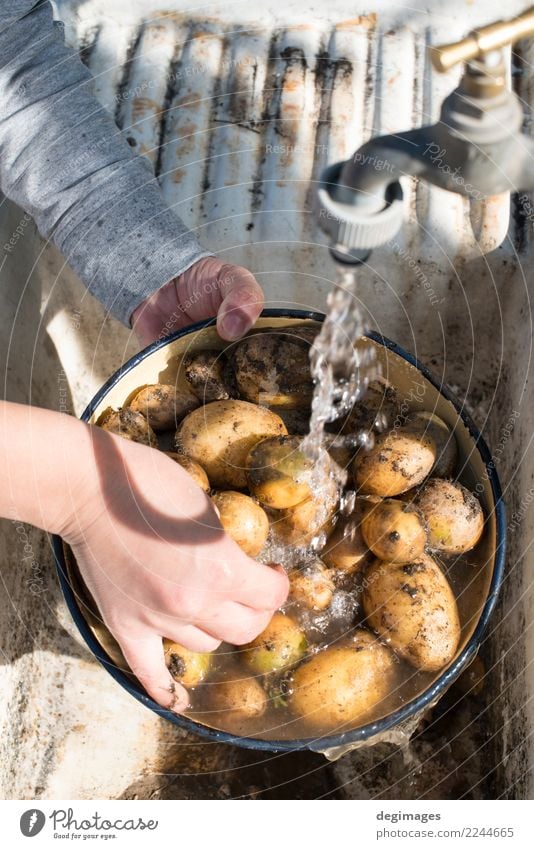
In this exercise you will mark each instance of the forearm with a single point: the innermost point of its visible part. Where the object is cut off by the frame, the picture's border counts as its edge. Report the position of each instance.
(47, 463)
(64, 161)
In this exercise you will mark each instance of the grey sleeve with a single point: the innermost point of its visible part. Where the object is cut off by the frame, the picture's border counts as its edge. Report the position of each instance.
(64, 162)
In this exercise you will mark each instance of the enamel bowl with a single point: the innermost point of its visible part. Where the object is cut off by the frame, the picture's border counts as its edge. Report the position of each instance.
(477, 595)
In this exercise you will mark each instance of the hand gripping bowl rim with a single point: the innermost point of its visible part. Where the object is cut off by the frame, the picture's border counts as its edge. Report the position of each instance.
(365, 732)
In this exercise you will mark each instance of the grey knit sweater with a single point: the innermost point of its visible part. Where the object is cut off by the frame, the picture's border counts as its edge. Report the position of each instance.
(63, 161)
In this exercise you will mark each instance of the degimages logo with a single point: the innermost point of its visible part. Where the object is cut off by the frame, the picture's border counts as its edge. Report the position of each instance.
(32, 822)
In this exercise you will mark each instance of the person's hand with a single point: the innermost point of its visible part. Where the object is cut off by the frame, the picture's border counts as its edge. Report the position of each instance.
(209, 288)
(158, 564)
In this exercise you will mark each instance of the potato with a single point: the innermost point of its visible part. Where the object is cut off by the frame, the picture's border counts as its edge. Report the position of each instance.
(243, 520)
(130, 425)
(209, 375)
(342, 684)
(377, 408)
(301, 524)
(188, 667)
(278, 473)
(272, 368)
(311, 585)
(453, 515)
(237, 699)
(163, 405)
(413, 608)
(444, 439)
(279, 646)
(220, 435)
(194, 469)
(394, 531)
(399, 460)
(345, 548)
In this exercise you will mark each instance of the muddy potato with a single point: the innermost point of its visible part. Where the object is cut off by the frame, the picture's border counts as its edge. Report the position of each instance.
(378, 409)
(273, 367)
(130, 425)
(194, 469)
(209, 375)
(311, 585)
(163, 405)
(345, 548)
(413, 608)
(278, 473)
(444, 439)
(394, 531)
(279, 646)
(453, 515)
(398, 460)
(238, 699)
(342, 684)
(243, 520)
(188, 667)
(220, 435)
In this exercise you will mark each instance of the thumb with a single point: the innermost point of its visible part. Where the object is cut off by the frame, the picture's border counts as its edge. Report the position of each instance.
(144, 655)
(242, 301)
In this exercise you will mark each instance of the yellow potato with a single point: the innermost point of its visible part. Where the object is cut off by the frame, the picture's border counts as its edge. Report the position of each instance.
(130, 425)
(453, 515)
(188, 667)
(311, 585)
(243, 520)
(342, 685)
(195, 469)
(444, 439)
(237, 699)
(413, 608)
(345, 548)
(278, 473)
(220, 435)
(394, 531)
(279, 646)
(163, 405)
(399, 460)
(299, 525)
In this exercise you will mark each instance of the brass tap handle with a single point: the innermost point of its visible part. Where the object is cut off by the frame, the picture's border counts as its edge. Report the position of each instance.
(482, 41)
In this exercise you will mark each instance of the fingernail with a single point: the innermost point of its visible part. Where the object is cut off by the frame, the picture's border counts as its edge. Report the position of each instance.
(234, 325)
(178, 703)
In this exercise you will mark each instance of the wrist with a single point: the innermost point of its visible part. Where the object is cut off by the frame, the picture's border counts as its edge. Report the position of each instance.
(47, 463)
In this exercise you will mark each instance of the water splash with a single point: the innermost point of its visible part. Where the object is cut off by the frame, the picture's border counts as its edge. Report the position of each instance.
(342, 363)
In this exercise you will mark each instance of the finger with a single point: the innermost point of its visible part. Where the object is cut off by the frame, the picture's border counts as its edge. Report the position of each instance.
(242, 301)
(191, 638)
(261, 587)
(144, 656)
(236, 623)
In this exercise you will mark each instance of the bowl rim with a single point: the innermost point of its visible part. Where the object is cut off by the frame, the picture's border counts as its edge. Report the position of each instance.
(365, 732)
